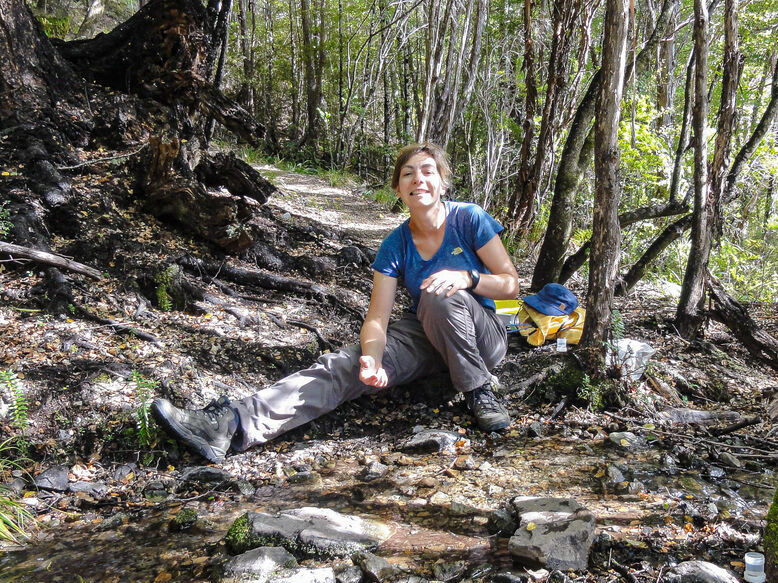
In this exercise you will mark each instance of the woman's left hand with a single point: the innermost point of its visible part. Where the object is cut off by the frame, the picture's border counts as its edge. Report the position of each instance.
(446, 281)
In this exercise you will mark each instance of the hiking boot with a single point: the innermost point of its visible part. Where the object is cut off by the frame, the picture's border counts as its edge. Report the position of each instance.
(206, 431)
(490, 414)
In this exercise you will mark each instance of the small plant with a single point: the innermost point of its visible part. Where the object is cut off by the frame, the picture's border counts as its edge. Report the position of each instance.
(592, 393)
(144, 389)
(618, 328)
(13, 386)
(14, 517)
(5, 224)
(164, 280)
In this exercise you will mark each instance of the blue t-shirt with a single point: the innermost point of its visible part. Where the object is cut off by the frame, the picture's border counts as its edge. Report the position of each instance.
(468, 228)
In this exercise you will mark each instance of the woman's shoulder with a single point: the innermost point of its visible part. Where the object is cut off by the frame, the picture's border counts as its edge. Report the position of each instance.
(465, 209)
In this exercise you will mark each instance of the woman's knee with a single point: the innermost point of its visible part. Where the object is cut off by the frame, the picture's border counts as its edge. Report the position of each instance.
(439, 306)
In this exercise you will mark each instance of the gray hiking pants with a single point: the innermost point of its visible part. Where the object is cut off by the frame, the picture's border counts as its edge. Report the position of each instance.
(455, 334)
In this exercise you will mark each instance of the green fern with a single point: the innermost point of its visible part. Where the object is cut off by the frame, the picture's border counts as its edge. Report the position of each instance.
(144, 389)
(618, 328)
(13, 386)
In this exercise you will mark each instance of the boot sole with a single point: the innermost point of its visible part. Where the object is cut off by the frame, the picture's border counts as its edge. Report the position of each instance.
(182, 434)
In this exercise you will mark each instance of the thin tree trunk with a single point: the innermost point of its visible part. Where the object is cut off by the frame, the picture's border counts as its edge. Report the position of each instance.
(689, 313)
(606, 234)
(577, 157)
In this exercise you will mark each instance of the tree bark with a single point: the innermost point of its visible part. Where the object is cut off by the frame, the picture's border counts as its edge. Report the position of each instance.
(689, 311)
(576, 157)
(606, 234)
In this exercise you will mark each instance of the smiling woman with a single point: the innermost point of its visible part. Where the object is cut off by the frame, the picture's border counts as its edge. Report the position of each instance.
(450, 259)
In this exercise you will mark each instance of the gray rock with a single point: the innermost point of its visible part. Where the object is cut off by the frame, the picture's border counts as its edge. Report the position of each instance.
(433, 440)
(625, 439)
(94, 489)
(553, 533)
(535, 429)
(322, 575)
(205, 476)
(306, 531)
(698, 572)
(613, 475)
(449, 571)
(55, 479)
(349, 575)
(374, 567)
(373, 471)
(17, 485)
(258, 563)
(123, 471)
(501, 522)
(730, 460)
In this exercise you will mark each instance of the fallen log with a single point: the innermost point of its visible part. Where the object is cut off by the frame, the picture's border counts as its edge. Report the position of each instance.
(49, 259)
(734, 316)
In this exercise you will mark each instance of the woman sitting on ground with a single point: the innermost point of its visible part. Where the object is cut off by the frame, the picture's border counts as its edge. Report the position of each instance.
(450, 258)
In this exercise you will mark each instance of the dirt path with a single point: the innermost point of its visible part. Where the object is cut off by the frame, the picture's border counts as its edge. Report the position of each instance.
(344, 207)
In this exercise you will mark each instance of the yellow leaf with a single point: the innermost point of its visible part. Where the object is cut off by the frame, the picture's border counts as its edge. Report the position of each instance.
(531, 526)
(163, 577)
(624, 442)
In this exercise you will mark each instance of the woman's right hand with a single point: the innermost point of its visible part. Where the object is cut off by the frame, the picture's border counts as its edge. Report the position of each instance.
(372, 374)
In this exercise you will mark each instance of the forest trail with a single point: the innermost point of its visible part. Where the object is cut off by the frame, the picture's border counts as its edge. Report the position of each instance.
(345, 207)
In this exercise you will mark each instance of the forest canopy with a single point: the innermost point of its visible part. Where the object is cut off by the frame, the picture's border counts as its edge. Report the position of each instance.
(508, 88)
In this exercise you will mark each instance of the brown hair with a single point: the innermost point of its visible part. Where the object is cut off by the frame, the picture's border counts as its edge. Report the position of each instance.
(433, 150)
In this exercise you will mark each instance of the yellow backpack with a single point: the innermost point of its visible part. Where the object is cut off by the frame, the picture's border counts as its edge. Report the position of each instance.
(537, 328)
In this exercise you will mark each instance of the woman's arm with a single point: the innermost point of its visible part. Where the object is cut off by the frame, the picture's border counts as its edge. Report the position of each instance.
(373, 334)
(501, 284)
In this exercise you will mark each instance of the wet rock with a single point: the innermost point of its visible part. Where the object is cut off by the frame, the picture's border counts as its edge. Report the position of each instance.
(94, 489)
(554, 533)
(349, 575)
(374, 567)
(698, 572)
(54, 479)
(730, 460)
(716, 472)
(125, 472)
(17, 485)
(373, 471)
(113, 522)
(501, 522)
(155, 492)
(613, 475)
(204, 477)
(185, 519)
(321, 575)
(306, 531)
(244, 487)
(449, 571)
(510, 577)
(258, 563)
(433, 440)
(304, 477)
(535, 429)
(625, 439)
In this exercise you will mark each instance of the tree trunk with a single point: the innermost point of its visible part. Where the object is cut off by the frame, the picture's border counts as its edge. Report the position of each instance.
(708, 192)
(576, 158)
(606, 234)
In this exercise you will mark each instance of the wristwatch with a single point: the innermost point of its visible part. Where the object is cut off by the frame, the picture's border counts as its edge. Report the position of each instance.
(475, 278)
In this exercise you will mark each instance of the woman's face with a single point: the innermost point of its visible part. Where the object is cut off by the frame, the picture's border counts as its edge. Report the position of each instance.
(420, 184)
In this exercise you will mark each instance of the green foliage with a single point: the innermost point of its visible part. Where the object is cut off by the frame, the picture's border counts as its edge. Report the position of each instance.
(163, 280)
(592, 392)
(53, 26)
(617, 325)
(13, 387)
(144, 391)
(14, 517)
(5, 224)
